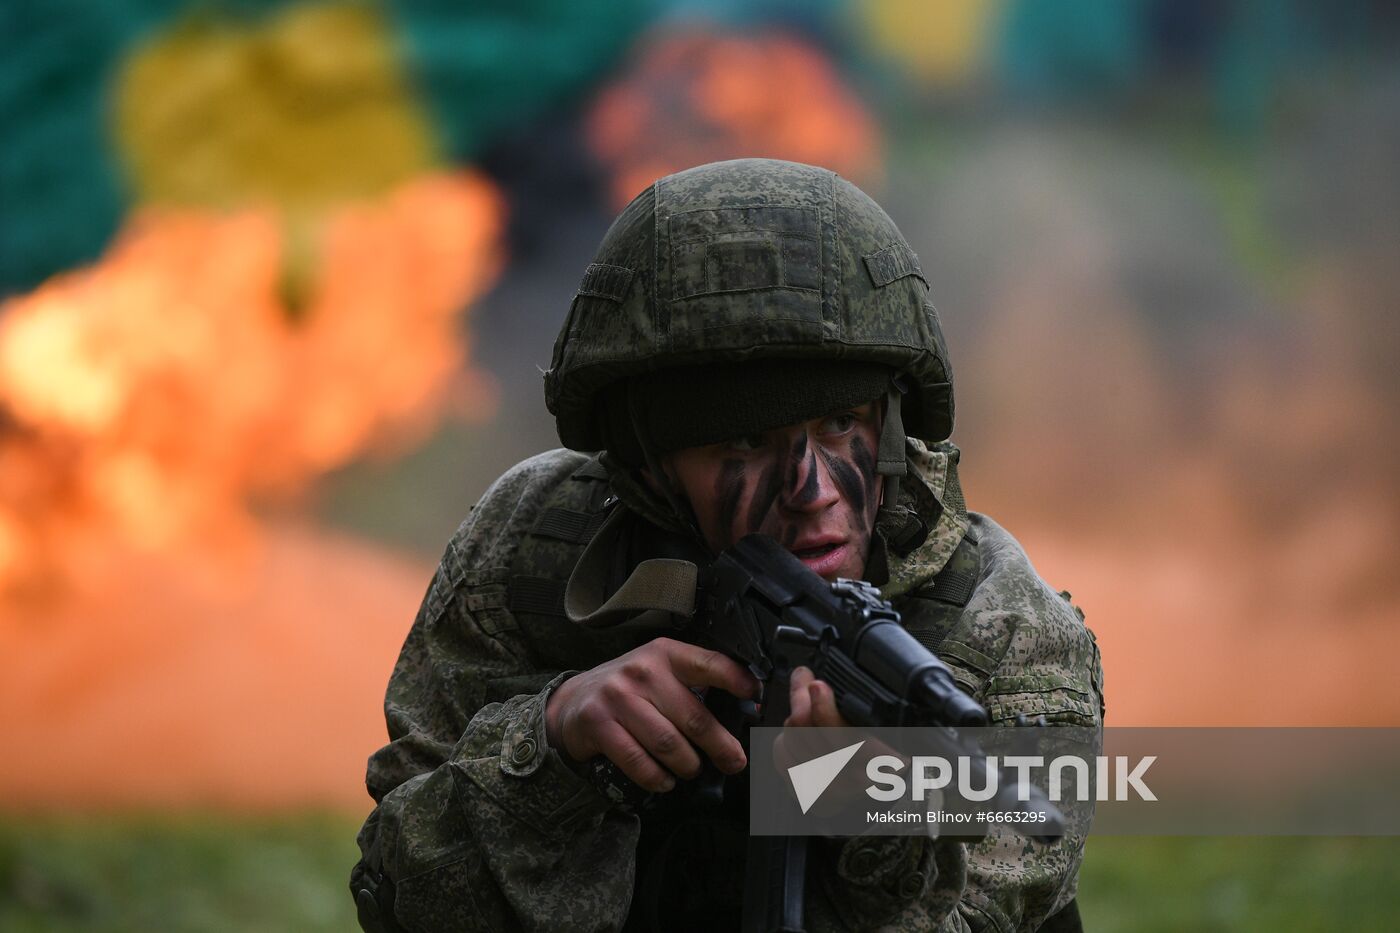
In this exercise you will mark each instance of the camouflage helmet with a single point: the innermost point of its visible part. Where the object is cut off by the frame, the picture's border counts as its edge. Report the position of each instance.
(741, 261)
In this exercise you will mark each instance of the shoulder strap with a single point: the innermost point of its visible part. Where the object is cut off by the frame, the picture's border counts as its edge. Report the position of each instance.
(536, 584)
(932, 611)
(661, 584)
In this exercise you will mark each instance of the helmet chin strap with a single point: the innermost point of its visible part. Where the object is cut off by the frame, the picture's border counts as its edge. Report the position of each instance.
(903, 528)
(661, 479)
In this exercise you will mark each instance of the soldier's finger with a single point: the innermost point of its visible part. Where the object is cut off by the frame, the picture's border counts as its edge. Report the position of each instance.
(625, 752)
(700, 667)
(799, 699)
(824, 711)
(700, 726)
(660, 737)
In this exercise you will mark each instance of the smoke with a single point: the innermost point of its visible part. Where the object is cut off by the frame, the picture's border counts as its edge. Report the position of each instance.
(158, 685)
(1201, 444)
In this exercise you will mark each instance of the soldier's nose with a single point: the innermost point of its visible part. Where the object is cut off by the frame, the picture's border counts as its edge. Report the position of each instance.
(810, 485)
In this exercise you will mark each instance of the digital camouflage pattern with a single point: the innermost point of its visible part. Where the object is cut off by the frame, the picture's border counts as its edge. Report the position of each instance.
(481, 826)
(746, 260)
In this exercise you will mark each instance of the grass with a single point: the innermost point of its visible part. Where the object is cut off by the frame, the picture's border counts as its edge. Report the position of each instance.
(214, 873)
(1291, 883)
(209, 874)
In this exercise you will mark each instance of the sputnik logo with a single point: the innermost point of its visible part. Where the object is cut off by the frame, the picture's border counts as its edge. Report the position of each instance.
(811, 778)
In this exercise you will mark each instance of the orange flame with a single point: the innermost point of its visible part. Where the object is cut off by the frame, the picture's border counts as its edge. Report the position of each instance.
(151, 397)
(700, 97)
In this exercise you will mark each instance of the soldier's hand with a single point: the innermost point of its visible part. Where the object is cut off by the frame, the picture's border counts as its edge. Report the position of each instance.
(811, 702)
(639, 711)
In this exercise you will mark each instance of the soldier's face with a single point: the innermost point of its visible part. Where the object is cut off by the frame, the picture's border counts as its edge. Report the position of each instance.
(811, 486)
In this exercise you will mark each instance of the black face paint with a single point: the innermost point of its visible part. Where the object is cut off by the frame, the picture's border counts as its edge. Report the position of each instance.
(797, 454)
(862, 457)
(729, 489)
(770, 484)
(808, 493)
(854, 477)
(848, 479)
(779, 486)
(864, 460)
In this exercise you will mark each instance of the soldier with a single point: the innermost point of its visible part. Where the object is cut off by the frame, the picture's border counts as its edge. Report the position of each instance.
(753, 350)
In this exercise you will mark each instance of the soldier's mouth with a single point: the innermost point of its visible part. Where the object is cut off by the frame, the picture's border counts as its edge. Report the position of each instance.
(813, 553)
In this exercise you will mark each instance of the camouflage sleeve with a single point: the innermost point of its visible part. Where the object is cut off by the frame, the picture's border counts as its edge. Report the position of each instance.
(893, 883)
(1026, 652)
(479, 824)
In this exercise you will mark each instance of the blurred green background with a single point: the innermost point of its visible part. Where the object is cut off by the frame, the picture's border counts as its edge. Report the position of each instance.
(210, 873)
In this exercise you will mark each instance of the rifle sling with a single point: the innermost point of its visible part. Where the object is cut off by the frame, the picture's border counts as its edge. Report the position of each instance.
(663, 584)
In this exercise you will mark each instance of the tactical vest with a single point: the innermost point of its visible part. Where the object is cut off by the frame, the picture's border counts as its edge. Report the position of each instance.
(689, 864)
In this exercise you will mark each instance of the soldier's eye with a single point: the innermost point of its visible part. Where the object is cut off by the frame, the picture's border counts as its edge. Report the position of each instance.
(839, 424)
(748, 442)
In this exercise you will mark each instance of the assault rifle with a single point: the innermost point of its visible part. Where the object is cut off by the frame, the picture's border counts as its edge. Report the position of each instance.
(762, 606)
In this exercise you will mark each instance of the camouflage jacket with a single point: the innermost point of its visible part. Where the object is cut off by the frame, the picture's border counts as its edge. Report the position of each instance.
(480, 825)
